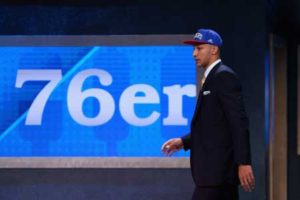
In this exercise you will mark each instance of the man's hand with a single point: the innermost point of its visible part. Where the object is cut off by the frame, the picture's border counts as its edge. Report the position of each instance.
(171, 146)
(246, 177)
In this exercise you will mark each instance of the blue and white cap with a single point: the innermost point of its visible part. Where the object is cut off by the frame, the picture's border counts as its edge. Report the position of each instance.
(206, 36)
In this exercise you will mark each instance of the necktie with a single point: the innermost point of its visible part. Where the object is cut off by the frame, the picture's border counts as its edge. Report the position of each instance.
(202, 81)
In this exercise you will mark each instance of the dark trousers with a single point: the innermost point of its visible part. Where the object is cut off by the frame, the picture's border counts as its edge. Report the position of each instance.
(226, 192)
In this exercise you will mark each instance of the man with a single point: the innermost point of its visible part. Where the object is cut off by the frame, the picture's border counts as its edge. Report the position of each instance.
(219, 135)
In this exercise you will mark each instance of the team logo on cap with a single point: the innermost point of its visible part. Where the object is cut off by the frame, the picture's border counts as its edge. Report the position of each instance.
(210, 41)
(198, 36)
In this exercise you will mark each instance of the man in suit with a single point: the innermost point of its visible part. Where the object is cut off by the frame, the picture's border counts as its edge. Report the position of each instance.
(219, 134)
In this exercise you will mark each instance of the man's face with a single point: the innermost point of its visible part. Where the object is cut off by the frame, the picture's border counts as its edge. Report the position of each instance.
(203, 55)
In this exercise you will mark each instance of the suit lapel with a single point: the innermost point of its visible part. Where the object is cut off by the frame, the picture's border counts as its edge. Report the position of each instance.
(197, 106)
(210, 75)
(206, 83)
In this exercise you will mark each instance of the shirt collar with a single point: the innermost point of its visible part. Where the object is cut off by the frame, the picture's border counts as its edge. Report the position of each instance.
(210, 67)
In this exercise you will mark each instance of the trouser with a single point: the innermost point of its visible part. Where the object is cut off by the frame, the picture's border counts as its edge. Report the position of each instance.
(224, 192)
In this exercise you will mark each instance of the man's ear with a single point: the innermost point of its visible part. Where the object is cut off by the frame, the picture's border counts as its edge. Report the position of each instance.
(215, 50)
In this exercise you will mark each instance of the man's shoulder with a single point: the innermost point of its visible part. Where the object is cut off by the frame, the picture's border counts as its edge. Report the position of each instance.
(225, 73)
(224, 68)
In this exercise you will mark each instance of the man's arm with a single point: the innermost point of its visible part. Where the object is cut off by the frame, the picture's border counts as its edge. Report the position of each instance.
(175, 144)
(186, 140)
(230, 94)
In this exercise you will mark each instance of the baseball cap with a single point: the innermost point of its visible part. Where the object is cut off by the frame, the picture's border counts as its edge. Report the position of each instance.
(206, 36)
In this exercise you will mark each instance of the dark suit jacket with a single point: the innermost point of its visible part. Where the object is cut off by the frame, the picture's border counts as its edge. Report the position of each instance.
(219, 137)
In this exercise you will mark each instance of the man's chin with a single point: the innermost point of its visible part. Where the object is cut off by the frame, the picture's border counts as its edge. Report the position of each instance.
(198, 66)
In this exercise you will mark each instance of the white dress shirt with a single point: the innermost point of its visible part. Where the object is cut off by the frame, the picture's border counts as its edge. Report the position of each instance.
(210, 67)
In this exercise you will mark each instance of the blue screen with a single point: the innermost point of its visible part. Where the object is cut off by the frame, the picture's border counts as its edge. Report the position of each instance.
(123, 101)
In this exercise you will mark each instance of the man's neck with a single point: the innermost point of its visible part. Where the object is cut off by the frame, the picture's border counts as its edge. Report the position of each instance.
(210, 67)
(211, 62)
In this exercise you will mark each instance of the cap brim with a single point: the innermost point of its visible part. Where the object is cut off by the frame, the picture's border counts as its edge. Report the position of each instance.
(194, 42)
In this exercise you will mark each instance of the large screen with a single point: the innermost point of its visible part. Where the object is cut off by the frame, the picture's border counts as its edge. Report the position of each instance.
(94, 100)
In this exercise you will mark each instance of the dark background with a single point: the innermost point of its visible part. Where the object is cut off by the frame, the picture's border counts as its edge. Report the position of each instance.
(244, 26)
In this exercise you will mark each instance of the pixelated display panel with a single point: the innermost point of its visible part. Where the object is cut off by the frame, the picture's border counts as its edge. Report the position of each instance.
(122, 101)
